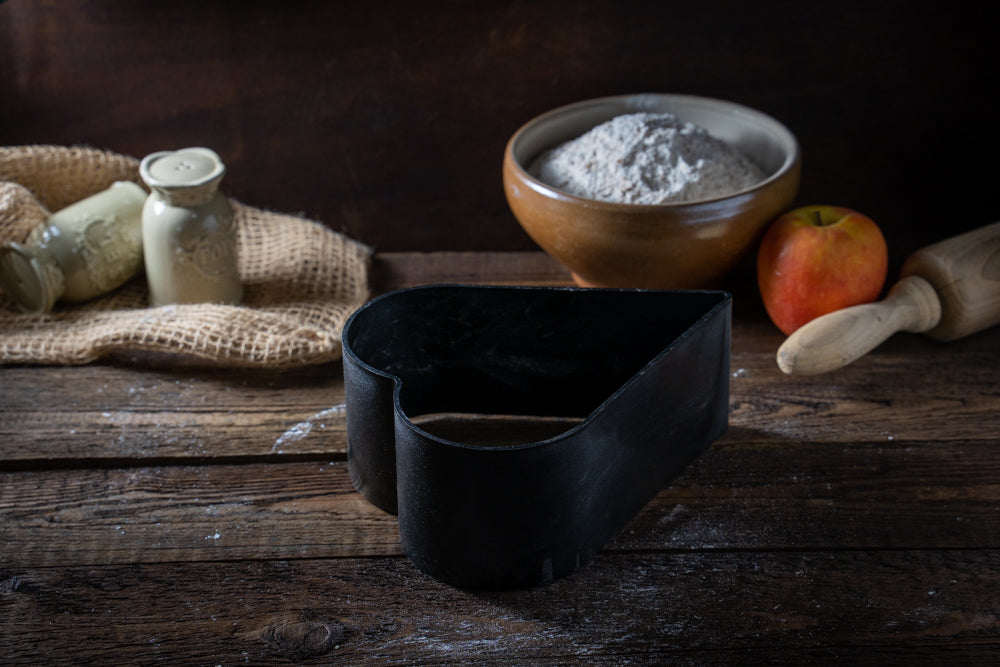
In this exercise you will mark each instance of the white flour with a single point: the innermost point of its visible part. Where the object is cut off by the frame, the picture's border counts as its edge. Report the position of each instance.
(646, 158)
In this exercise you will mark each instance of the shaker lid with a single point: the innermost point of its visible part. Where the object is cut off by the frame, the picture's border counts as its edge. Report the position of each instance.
(188, 167)
(23, 278)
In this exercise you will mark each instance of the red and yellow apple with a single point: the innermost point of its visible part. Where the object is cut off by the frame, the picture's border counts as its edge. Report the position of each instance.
(817, 259)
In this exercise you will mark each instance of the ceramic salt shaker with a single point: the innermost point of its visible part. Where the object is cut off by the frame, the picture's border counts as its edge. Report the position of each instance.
(189, 239)
(82, 251)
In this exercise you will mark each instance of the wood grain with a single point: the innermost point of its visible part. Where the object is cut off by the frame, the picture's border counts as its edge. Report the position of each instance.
(791, 607)
(388, 120)
(126, 413)
(736, 495)
(129, 411)
(965, 272)
(159, 513)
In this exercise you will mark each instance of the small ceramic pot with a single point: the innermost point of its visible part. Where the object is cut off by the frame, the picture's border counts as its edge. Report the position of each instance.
(189, 239)
(81, 252)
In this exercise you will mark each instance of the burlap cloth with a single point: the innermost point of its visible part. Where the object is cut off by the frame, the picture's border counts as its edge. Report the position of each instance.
(301, 281)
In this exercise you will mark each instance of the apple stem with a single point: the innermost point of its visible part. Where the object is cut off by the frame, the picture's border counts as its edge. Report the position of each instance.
(819, 219)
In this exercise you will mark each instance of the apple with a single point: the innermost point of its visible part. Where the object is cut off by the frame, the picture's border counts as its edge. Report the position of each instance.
(817, 259)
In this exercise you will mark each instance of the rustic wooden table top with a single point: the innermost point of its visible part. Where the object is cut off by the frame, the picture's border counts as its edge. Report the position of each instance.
(152, 512)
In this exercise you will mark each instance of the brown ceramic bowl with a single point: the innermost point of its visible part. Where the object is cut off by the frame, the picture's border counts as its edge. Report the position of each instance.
(664, 246)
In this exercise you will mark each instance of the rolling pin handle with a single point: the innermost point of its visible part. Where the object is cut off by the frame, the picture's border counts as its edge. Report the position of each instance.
(841, 337)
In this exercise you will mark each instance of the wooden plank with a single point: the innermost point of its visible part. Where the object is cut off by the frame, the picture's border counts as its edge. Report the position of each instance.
(400, 114)
(397, 270)
(150, 409)
(777, 495)
(726, 607)
(121, 413)
(952, 395)
(115, 414)
(851, 516)
(189, 513)
(804, 495)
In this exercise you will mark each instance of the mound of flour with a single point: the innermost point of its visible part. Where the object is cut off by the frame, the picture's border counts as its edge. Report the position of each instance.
(646, 158)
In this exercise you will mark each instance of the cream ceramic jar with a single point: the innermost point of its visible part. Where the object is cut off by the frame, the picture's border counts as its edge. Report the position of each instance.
(189, 239)
(82, 251)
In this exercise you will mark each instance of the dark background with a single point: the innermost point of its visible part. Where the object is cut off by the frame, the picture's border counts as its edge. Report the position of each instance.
(387, 120)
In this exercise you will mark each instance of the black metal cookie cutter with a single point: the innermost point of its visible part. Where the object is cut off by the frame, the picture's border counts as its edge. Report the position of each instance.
(646, 372)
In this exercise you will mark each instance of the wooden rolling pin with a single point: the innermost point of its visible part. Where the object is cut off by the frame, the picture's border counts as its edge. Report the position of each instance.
(947, 290)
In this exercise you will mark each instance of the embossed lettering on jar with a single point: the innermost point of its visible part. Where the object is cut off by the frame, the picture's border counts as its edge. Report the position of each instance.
(81, 252)
(189, 238)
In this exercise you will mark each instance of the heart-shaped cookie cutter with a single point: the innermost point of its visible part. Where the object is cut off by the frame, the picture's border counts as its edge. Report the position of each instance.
(645, 373)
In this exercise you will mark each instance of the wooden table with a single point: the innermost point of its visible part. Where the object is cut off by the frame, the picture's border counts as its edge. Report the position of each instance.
(157, 512)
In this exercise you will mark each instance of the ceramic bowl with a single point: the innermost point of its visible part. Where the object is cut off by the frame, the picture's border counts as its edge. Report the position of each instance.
(687, 245)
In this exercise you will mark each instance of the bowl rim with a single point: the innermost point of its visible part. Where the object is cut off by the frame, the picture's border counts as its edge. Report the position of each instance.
(793, 154)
